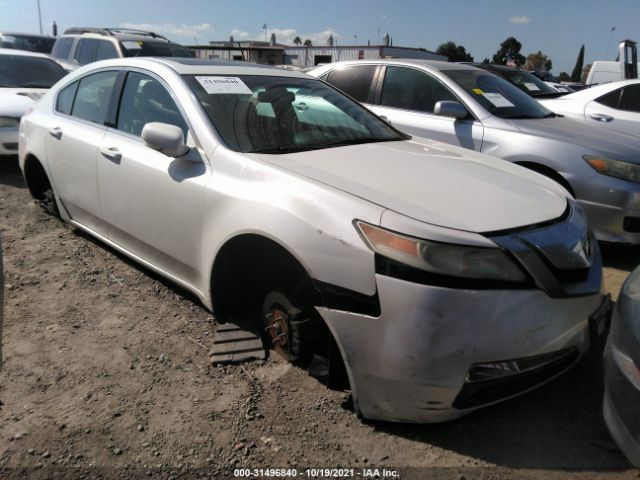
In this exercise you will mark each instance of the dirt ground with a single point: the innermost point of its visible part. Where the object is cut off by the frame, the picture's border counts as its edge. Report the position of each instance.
(104, 379)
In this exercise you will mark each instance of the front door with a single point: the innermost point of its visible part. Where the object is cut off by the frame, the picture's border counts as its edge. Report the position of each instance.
(152, 203)
(407, 100)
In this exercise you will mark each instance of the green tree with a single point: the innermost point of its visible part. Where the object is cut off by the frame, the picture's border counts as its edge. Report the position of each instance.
(486, 61)
(509, 51)
(577, 70)
(455, 53)
(297, 41)
(564, 77)
(308, 43)
(538, 61)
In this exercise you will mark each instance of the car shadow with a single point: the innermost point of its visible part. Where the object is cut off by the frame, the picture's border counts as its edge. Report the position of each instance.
(10, 173)
(622, 257)
(556, 427)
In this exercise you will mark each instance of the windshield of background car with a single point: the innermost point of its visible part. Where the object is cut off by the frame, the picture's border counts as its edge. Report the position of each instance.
(497, 95)
(25, 42)
(147, 48)
(29, 72)
(281, 115)
(528, 82)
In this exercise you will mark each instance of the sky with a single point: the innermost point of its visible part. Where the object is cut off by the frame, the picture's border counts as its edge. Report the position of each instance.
(556, 27)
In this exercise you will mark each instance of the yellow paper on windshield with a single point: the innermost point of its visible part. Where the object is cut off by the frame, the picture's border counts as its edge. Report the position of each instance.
(478, 91)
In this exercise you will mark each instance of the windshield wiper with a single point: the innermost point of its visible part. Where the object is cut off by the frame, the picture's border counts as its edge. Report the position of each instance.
(302, 148)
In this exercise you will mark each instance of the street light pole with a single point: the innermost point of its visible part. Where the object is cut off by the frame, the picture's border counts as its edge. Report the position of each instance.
(39, 17)
(609, 42)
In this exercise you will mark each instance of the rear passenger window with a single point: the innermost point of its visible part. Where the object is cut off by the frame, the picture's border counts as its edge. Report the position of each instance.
(145, 100)
(64, 103)
(86, 51)
(106, 50)
(62, 48)
(411, 89)
(354, 81)
(92, 98)
(610, 99)
(630, 99)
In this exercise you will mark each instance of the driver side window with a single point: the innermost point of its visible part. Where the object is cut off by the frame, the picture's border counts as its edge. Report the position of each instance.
(145, 100)
(410, 89)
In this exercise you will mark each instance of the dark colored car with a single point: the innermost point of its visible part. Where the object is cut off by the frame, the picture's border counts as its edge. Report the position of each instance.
(622, 371)
(27, 41)
(525, 81)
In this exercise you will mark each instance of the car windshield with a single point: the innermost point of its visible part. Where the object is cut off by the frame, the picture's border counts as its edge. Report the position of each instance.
(149, 48)
(272, 114)
(497, 95)
(29, 72)
(528, 83)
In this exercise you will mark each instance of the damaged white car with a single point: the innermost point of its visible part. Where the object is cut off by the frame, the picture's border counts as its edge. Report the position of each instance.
(439, 280)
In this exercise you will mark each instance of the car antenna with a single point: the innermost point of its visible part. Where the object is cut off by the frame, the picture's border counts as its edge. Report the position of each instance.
(241, 51)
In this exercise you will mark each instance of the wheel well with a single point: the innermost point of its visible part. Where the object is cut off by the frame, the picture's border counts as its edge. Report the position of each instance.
(548, 172)
(36, 177)
(247, 265)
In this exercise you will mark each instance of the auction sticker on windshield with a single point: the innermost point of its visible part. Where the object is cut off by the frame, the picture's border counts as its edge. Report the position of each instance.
(498, 100)
(532, 87)
(223, 85)
(132, 45)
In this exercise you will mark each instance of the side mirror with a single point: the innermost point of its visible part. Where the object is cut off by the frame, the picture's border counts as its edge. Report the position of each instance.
(165, 138)
(447, 108)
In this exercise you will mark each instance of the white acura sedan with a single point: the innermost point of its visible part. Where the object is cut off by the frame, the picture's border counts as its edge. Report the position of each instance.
(437, 279)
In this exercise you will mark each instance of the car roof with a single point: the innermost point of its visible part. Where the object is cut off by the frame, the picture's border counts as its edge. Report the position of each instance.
(22, 34)
(598, 90)
(198, 66)
(24, 53)
(118, 36)
(433, 64)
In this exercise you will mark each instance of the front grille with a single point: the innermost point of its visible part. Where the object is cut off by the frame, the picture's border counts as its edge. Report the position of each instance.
(476, 394)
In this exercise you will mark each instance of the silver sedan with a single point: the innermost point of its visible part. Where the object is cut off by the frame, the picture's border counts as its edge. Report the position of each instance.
(463, 105)
(438, 279)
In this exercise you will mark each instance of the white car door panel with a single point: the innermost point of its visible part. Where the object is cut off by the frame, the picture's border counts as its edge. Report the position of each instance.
(618, 119)
(161, 228)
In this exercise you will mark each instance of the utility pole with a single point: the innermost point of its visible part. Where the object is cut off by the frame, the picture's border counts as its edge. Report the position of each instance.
(39, 17)
(265, 27)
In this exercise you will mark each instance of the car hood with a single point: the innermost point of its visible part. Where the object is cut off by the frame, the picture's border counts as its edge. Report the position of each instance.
(14, 102)
(434, 183)
(594, 139)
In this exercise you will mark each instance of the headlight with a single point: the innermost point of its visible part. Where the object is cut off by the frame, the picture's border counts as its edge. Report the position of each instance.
(614, 168)
(9, 122)
(483, 263)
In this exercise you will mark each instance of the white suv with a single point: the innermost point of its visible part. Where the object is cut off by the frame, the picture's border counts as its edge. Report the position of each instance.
(79, 46)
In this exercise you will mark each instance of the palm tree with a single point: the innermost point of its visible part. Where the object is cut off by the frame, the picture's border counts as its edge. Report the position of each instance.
(297, 41)
(307, 43)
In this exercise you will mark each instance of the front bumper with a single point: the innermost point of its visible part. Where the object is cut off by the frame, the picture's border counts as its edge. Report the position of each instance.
(613, 208)
(410, 363)
(8, 141)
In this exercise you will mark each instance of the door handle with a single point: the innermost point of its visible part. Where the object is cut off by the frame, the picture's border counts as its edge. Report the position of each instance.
(56, 133)
(111, 153)
(601, 117)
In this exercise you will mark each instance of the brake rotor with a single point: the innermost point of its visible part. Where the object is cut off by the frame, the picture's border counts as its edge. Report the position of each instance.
(277, 327)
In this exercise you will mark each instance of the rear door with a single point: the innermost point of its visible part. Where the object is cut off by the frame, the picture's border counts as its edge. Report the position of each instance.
(619, 109)
(75, 134)
(407, 98)
(152, 203)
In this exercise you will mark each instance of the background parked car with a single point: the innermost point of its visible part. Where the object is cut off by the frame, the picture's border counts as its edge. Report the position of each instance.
(525, 81)
(80, 46)
(24, 78)
(464, 105)
(314, 219)
(614, 105)
(27, 41)
(622, 371)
